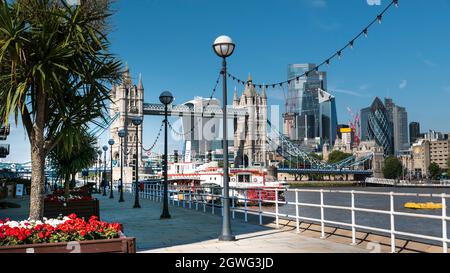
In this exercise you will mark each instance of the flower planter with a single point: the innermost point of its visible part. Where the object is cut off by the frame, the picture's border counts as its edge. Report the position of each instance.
(82, 208)
(122, 245)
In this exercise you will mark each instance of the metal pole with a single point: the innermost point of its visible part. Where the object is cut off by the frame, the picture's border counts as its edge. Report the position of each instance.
(165, 213)
(136, 193)
(111, 196)
(226, 223)
(103, 175)
(121, 200)
(111, 153)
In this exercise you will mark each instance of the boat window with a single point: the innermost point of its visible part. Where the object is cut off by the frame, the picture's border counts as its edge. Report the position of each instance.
(243, 178)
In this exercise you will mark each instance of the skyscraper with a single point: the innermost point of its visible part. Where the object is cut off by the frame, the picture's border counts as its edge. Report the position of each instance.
(310, 110)
(364, 123)
(380, 128)
(414, 132)
(399, 119)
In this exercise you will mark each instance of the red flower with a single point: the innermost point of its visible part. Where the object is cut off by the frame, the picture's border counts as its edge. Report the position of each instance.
(73, 216)
(41, 235)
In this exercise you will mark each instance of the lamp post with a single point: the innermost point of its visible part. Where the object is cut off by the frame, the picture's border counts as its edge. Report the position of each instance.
(165, 98)
(121, 134)
(224, 47)
(97, 173)
(136, 122)
(105, 149)
(111, 142)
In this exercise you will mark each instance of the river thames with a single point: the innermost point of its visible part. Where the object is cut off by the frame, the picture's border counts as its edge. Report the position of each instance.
(430, 227)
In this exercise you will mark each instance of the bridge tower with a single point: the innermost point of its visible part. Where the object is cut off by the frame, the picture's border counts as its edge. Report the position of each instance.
(127, 100)
(250, 133)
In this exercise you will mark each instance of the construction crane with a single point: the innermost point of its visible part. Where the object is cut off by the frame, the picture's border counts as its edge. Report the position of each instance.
(355, 125)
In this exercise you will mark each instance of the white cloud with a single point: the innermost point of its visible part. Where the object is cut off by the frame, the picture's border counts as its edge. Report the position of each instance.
(316, 3)
(427, 61)
(403, 84)
(348, 92)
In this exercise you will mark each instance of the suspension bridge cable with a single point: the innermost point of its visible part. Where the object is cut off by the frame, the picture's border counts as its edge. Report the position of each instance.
(327, 61)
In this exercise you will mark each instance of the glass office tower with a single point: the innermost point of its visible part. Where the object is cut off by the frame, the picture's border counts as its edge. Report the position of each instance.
(380, 128)
(310, 116)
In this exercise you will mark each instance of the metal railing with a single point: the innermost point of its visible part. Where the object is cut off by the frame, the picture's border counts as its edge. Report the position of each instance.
(203, 197)
(392, 182)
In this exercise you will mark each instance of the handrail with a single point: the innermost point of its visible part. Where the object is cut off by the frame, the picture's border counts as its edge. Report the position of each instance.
(207, 196)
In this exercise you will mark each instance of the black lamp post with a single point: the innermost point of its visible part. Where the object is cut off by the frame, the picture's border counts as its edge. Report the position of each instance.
(224, 47)
(111, 196)
(97, 173)
(111, 142)
(165, 98)
(137, 121)
(105, 149)
(121, 134)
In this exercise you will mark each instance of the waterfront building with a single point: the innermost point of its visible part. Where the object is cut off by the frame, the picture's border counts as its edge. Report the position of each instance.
(414, 132)
(425, 152)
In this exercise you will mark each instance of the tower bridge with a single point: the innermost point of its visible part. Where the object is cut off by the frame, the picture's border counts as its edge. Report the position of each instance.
(248, 112)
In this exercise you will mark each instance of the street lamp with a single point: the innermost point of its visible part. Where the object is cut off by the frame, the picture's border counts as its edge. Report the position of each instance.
(97, 173)
(136, 122)
(111, 143)
(224, 47)
(105, 149)
(121, 134)
(165, 98)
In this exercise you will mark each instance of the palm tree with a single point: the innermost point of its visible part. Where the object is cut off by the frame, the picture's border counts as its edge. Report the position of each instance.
(55, 66)
(82, 155)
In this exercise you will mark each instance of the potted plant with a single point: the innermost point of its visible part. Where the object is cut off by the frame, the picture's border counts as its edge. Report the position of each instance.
(66, 235)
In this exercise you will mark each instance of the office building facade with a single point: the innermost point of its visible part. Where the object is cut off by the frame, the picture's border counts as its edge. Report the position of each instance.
(414, 132)
(310, 109)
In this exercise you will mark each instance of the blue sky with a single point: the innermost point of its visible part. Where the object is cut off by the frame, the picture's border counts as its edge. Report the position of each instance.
(407, 57)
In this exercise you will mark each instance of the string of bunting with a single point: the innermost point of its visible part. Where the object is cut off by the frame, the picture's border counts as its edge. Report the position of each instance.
(338, 54)
(204, 108)
(156, 140)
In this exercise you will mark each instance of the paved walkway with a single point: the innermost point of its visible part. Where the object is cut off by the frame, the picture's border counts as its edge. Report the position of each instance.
(191, 231)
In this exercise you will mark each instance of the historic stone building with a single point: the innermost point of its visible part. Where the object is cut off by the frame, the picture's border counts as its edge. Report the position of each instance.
(127, 100)
(250, 133)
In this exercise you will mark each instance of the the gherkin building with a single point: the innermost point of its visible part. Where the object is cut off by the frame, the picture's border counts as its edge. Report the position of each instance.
(380, 128)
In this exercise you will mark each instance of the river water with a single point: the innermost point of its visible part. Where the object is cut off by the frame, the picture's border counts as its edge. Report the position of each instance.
(429, 227)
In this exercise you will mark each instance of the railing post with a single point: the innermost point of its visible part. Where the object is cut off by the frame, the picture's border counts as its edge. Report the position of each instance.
(444, 224)
(353, 219)
(196, 199)
(221, 202)
(213, 203)
(260, 206)
(204, 199)
(297, 214)
(245, 206)
(276, 209)
(233, 204)
(393, 248)
(322, 216)
(190, 199)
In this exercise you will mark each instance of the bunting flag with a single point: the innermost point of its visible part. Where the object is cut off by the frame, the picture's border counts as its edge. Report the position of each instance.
(339, 53)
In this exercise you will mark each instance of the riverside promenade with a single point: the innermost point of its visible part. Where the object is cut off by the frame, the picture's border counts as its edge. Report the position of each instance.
(191, 231)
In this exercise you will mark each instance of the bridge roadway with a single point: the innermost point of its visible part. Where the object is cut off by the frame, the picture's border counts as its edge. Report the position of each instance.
(191, 231)
(154, 109)
(325, 171)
